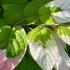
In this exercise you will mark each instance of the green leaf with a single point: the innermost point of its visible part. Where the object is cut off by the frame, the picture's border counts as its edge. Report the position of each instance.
(39, 34)
(47, 20)
(27, 63)
(5, 32)
(18, 2)
(47, 49)
(17, 42)
(2, 22)
(1, 11)
(48, 9)
(13, 10)
(31, 11)
(64, 33)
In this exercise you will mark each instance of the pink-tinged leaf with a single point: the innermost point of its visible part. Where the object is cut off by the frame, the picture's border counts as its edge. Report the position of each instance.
(9, 63)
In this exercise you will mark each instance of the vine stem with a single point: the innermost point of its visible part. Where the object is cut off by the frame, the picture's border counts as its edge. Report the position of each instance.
(24, 23)
(52, 26)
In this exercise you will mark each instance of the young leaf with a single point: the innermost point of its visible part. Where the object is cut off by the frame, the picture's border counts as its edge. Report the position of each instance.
(47, 49)
(17, 42)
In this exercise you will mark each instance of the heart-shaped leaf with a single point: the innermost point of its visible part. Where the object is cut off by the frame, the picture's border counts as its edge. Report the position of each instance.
(47, 49)
(17, 42)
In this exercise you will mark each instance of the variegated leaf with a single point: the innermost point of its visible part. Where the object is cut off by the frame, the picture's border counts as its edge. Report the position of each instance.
(9, 63)
(64, 34)
(46, 48)
(63, 4)
(62, 17)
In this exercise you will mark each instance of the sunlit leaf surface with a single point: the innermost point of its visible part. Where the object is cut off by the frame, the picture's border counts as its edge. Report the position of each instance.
(48, 52)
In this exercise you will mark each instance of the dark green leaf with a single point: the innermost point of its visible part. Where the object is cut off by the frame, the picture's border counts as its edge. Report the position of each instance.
(5, 32)
(31, 11)
(13, 10)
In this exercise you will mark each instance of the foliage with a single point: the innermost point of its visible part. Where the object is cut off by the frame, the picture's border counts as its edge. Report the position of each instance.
(35, 33)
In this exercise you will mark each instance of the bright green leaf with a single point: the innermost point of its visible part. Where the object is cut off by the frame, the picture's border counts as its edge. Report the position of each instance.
(39, 34)
(17, 42)
(47, 20)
